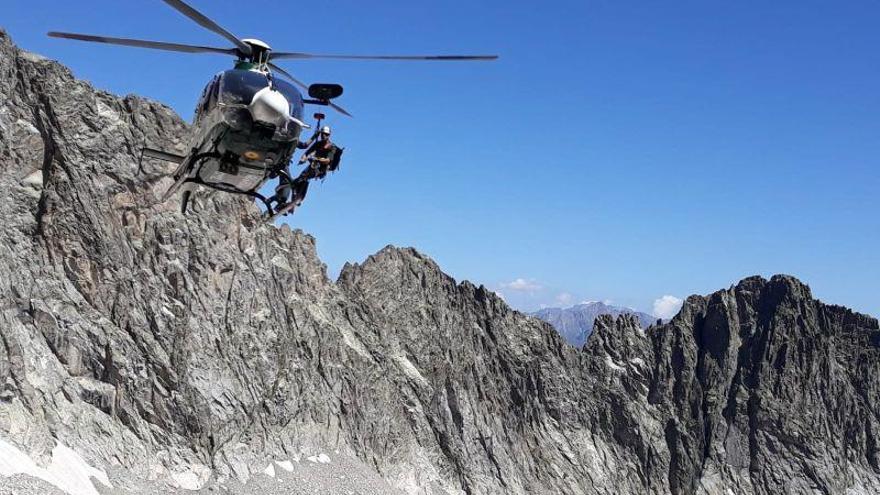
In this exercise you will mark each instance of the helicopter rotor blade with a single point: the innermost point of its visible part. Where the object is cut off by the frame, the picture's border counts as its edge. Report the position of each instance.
(289, 76)
(339, 109)
(156, 45)
(306, 87)
(444, 58)
(208, 24)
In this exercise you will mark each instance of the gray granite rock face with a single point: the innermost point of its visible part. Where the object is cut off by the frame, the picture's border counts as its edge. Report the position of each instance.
(192, 351)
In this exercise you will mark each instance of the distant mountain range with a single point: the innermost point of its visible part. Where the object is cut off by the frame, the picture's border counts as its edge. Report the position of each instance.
(576, 323)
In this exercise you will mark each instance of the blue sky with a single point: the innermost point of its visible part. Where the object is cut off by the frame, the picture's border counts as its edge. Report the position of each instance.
(618, 150)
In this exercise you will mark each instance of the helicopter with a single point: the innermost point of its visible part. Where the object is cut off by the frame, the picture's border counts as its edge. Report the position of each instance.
(248, 121)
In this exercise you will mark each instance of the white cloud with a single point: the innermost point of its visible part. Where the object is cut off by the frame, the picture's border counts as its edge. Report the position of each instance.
(564, 299)
(667, 306)
(522, 285)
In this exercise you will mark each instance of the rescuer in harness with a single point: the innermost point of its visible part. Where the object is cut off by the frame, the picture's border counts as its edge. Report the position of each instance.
(322, 156)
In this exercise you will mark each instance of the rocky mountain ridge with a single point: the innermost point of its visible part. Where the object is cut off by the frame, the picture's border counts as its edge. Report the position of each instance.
(575, 323)
(192, 352)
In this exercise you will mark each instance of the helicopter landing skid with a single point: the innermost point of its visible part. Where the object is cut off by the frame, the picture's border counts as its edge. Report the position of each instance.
(180, 175)
(180, 179)
(184, 176)
(229, 189)
(287, 209)
(269, 213)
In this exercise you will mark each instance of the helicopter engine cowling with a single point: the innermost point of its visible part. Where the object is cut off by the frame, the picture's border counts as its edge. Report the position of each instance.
(271, 107)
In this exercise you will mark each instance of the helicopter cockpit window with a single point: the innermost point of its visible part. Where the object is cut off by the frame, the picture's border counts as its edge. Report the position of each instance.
(292, 129)
(240, 86)
(209, 96)
(214, 93)
(200, 107)
(293, 97)
(237, 90)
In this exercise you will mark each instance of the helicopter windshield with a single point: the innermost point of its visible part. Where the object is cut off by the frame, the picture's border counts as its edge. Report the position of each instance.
(293, 97)
(237, 89)
(240, 86)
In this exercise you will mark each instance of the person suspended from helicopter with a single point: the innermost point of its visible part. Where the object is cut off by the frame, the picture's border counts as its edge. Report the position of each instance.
(322, 156)
(320, 150)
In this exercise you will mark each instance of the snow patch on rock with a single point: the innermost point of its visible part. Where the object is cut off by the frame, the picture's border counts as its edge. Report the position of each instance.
(67, 471)
(319, 459)
(194, 478)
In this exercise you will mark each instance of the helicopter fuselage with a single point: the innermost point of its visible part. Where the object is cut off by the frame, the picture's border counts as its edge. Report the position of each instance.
(246, 127)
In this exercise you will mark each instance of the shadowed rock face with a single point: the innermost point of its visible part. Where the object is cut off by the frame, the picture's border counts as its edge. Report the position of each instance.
(167, 346)
(767, 387)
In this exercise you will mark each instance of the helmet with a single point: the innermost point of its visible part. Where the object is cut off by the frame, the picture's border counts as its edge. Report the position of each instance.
(325, 130)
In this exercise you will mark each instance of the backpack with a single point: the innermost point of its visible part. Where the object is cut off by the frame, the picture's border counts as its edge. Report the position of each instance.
(337, 157)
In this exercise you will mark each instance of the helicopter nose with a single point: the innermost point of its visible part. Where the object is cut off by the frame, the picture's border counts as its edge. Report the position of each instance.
(270, 106)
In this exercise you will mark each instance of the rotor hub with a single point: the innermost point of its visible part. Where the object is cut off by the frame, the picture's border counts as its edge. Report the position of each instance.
(259, 50)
